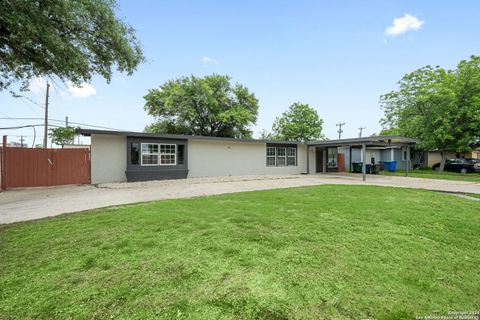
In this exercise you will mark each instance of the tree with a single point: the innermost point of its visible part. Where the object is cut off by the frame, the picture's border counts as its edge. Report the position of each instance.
(439, 107)
(69, 39)
(265, 135)
(389, 132)
(209, 106)
(300, 122)
(62, 136)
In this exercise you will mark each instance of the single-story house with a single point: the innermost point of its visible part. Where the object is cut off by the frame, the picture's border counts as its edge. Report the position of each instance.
(433, 157)
(133, 156)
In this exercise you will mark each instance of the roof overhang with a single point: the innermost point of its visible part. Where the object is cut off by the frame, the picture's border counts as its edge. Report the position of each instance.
(89, 132)
(380, 141)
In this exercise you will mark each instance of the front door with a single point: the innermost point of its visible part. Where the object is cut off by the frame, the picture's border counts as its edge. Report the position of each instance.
(319, 161)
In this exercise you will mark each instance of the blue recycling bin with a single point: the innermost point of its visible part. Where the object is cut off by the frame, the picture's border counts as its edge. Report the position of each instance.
(391, 166)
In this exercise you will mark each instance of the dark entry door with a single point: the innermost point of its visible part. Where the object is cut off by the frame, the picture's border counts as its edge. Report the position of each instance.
(319, 161)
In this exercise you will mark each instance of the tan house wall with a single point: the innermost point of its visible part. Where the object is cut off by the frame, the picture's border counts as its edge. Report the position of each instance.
(207, 158)
(108, 154)
(435, 157)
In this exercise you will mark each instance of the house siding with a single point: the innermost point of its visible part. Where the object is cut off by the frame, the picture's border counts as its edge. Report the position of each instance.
(312, 159)
(108, 158)
(230, 158)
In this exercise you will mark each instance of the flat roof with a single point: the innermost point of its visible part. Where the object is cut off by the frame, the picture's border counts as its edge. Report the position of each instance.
(380, 141)
(89, 132)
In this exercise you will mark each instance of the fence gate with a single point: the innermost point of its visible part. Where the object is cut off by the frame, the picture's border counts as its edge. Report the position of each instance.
(27, 167)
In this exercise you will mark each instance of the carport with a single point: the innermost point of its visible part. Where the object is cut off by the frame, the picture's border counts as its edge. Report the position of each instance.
(328, 146)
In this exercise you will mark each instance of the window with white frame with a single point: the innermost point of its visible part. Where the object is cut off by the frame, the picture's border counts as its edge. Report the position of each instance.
(291, 156)
(281, 156)
(154, 154)
(150, 154)
(271, 155)
(168, 154)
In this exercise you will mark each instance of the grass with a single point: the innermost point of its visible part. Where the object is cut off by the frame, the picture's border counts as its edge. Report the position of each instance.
(475, 195)
(431, 174)
(326, 252)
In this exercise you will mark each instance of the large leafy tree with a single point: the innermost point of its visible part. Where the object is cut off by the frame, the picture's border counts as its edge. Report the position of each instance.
(209, 106)
(300, 122)
(69, 39)
(439, 107)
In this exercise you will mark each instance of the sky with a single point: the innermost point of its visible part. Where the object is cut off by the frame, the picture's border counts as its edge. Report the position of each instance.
(337, 56)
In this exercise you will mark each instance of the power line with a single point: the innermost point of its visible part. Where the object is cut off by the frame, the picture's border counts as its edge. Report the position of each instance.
(63, 121)
(28, 126)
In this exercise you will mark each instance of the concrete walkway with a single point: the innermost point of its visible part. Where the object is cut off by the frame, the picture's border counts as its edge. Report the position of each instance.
(36, 203)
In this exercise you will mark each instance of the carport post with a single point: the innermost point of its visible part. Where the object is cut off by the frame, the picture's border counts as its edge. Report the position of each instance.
(324, 158)
(408, 160)
(308, 160)
(364, 164)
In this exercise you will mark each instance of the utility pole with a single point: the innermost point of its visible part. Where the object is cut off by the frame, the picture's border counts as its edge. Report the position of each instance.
(360, 131)
(66, 121)
(45, 133)
(339, 125)
(21, 141)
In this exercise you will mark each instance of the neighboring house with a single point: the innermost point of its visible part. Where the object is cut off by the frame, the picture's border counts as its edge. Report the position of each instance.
(328, 154)
(433, 157)
(132, 156)
(382, 154)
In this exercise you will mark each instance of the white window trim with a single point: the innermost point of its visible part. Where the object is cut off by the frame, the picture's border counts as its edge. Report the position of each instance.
(159, 155)
(284, 157)
(294, 157)
(174, 154)
(274, 157)
(142, 154)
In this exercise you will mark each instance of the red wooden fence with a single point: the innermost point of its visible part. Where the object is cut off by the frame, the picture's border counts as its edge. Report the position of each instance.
(26, 167)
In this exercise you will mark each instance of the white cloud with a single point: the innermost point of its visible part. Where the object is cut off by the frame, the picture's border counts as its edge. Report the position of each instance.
(404, 24)
(207, 60)
(85, 90)
(37, 85)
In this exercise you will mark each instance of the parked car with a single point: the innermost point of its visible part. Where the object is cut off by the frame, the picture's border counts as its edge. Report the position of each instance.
(456, 165)
(476, 164)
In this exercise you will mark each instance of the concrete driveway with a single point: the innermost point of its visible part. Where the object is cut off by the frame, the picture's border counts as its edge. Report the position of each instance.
(35, 203)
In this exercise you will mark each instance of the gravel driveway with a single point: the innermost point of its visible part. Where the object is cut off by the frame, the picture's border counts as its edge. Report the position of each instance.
(36, 203)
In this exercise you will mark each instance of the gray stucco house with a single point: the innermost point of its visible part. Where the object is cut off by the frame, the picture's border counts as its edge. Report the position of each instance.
(133, 156)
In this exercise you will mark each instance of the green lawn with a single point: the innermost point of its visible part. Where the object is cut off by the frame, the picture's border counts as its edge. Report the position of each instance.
(431, 174)
(327, 252)
(475, 195)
